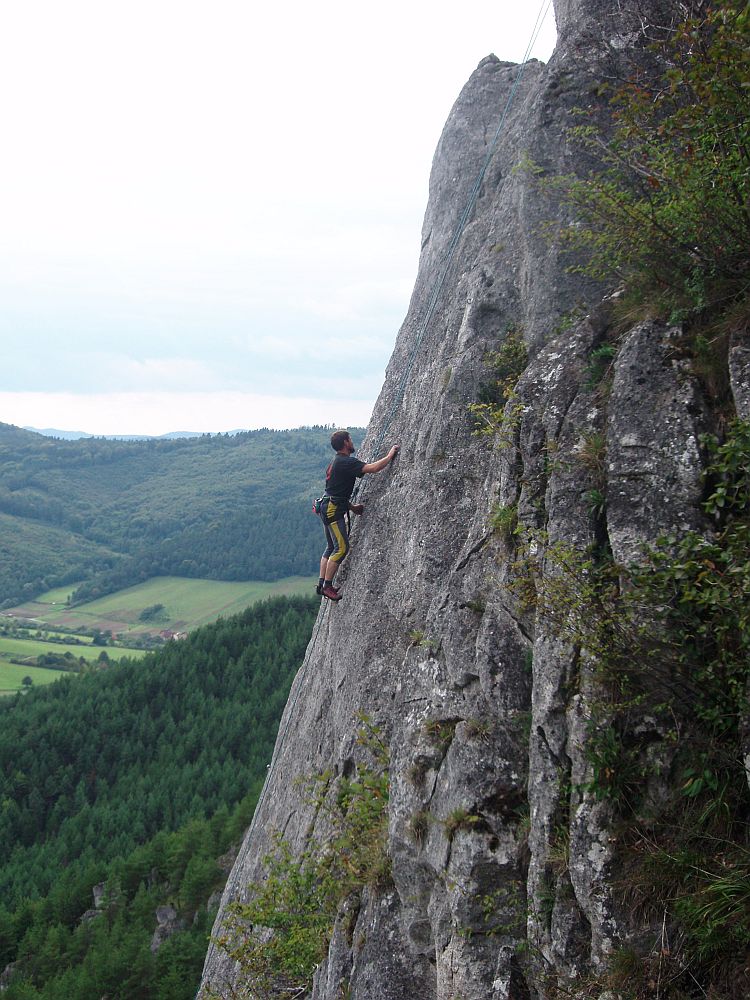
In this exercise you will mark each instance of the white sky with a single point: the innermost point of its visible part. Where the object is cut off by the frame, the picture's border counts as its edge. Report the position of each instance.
(210, 213)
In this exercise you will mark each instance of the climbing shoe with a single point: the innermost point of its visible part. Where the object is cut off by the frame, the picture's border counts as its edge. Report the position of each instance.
(331, 593)
(321, 586)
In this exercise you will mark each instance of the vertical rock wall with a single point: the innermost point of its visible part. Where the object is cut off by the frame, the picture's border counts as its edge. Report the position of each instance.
(509, 694)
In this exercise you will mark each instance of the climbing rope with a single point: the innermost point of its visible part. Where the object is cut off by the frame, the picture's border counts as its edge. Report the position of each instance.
(447, 261)
(450, 251)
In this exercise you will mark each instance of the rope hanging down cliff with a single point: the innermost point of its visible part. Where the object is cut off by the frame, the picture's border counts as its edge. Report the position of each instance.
(450, 251)
(299, 681)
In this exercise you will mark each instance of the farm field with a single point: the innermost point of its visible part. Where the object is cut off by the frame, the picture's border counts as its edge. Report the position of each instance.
(12, 675)
(49, 635)
(21, 647)
(60, 594)
(14, 648)
(187, 604)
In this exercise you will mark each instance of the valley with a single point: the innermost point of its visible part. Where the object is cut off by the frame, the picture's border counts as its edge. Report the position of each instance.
(43, 639)
(95, 516)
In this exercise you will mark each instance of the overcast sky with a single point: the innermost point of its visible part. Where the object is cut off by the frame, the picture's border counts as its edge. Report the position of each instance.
(210, 215)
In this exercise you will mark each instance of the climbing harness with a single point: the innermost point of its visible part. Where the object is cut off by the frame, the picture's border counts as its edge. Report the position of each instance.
(448, 260)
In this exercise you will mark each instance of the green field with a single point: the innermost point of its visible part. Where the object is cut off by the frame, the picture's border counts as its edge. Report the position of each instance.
(50, 635)
(59, 595)
(188, 603)
(12, 675)
(15, 647)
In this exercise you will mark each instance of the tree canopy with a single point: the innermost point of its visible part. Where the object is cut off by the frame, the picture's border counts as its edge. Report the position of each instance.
(138, 776)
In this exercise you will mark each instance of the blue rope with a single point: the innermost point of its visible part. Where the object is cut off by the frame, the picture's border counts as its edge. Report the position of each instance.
(458, 232)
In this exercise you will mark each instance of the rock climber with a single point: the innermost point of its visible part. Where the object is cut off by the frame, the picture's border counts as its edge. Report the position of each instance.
(335, 503)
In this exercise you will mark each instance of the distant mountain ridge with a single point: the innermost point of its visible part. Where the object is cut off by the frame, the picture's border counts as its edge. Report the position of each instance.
(107, 513)
(54, 432)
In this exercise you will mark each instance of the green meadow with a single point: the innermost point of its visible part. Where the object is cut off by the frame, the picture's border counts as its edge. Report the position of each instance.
(60, 594)
(12, 675)
(13, 648)
(187, 604)
(20, 647)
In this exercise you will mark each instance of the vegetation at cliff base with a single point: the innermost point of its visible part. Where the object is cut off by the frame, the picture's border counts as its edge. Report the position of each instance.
(299, 898)
(139, 779)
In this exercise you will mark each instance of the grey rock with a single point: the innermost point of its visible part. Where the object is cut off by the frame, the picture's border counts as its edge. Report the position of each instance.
(7, 975)
(99, 892)
(213, 901)
(168, 922)
(657, 416)
(374, 958)
(528, 886)
(739, 378)
(739, 374)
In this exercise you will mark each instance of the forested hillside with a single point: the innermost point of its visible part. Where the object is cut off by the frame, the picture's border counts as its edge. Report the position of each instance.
(139, 777)
(113, 513)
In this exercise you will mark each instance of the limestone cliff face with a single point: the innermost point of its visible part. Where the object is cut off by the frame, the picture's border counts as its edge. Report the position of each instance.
(510, 692)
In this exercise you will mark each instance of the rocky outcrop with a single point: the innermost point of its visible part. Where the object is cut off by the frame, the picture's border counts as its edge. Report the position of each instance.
(99, 893)
(168, 922)
(6, 976)
(485, 911)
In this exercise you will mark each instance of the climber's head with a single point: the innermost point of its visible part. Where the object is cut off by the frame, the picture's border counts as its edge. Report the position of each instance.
(341, 442)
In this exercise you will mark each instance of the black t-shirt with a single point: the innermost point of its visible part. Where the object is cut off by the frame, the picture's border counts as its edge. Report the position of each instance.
(340, 477)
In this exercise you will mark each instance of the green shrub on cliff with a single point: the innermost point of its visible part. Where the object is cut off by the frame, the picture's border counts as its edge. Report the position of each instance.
(281, 934)
(666, 208)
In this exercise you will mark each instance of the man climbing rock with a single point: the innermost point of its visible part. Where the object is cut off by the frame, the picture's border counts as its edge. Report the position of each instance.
(341, 476)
